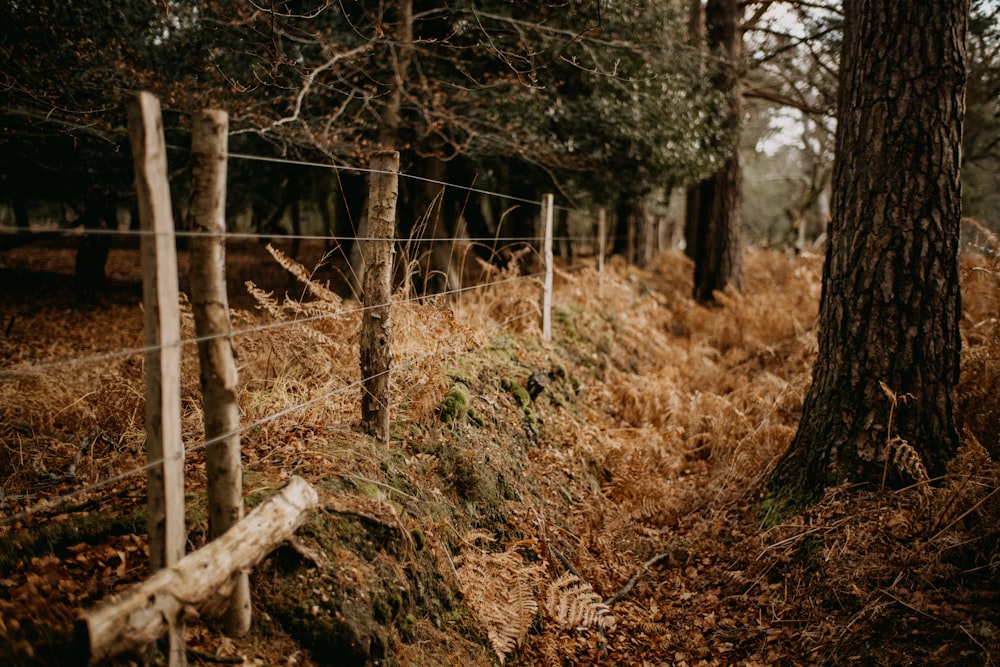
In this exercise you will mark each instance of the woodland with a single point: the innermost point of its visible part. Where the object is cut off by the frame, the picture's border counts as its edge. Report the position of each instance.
(764, 430)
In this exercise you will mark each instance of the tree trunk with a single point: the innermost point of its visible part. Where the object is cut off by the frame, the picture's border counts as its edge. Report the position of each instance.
(717, 249)
(692, 198)
(92, 252)
(401, 53)
(888, 328)
(21, 218)
(564, 242)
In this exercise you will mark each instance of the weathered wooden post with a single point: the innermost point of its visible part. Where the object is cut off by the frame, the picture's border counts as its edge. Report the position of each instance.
(548, 203)
(376, 329)
(219, 378)
(133, 618)
(164, 447)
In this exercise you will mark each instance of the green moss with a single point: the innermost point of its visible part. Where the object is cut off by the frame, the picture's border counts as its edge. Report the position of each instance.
(407, 627)
(567, 319)
(782, 502)
(419, 539)
(366, 488)
(455, 406)
(523, 399)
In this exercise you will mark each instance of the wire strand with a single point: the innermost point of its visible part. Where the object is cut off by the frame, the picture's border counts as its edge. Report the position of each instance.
(143, 349)
(72, 232)
(54, 501)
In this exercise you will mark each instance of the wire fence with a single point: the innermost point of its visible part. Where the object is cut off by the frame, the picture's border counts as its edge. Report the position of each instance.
(169, 447)
(10, 373)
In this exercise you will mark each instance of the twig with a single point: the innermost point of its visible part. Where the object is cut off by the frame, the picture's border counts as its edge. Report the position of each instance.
(965, 513)
(630, 584)
(565, 561)
(989, 658)
(359, 478)
(205, 656)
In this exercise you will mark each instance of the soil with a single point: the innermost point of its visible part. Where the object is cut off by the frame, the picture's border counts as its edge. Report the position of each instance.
(589, 500)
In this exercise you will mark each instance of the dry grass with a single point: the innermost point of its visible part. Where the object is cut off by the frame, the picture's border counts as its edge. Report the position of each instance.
(630, 480)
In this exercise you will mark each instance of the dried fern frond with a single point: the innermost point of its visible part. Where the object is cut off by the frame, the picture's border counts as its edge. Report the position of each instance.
(302, 275)
(500, 588)
(573, 603)
(478, 535)
(265, 300)
(907, 460)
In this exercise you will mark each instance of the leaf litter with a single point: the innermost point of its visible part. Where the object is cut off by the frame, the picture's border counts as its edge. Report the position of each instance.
(611, 510)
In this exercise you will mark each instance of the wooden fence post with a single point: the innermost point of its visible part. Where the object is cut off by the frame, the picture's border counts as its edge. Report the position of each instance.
(164, 447)
(548, 201)
(219, 378)
(376, 329)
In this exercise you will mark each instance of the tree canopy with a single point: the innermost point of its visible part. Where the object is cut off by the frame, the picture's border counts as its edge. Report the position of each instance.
(576, 88)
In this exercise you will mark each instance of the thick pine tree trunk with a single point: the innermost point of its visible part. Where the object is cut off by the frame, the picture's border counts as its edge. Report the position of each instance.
(890, 307)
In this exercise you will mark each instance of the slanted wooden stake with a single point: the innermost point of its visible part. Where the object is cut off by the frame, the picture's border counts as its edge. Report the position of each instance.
(376, 329)
(548, 201)
(210, 306)
(134, 618)
(164, 447)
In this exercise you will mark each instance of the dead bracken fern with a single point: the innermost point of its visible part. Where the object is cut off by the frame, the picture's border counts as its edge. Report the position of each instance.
(320, 292)
(907, 460)
(573, 603)
(501, 589)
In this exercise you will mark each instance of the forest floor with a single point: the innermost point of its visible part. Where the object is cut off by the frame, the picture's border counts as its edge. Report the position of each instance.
(593, 500)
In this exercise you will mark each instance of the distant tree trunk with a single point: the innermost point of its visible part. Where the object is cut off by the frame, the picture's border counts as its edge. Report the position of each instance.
(622, 237)
(888, 328)
(21, 220)
(401, 54)
(717, 251)
(92, 252)
(692, 218)
(692, 201)
(645, 234)
(350, 211)
(564, 243)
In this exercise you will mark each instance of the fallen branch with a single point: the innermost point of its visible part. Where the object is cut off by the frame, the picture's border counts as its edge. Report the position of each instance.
(630, 584)
(129, 621)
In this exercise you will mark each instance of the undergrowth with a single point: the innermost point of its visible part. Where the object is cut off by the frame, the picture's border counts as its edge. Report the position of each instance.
(588, 501)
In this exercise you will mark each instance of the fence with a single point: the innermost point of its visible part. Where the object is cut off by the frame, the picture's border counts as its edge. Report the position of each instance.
(141, 615)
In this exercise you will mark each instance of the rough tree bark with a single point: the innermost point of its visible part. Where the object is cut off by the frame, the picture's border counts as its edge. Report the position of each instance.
(376, 326)
(888, 329)
(717, 243)
(692, 199)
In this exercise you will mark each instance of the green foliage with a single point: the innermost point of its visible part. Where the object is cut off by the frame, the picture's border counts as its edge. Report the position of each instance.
(578, 89)
(981, 140)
